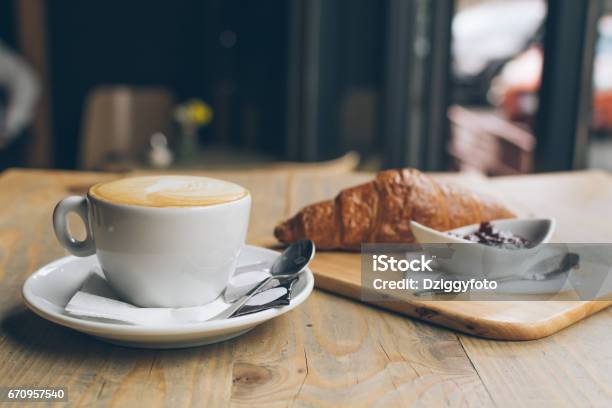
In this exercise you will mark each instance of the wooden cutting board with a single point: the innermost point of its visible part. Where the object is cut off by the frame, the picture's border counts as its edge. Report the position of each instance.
(340, 273)
(579, 201)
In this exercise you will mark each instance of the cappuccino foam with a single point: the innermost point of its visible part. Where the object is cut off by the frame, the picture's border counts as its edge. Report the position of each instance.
(168, 191)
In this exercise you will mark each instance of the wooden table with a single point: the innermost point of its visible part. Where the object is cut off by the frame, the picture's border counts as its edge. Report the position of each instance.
(330, 351)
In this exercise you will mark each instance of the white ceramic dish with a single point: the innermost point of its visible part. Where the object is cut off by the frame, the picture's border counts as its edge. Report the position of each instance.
(47, 291)
(479, 260)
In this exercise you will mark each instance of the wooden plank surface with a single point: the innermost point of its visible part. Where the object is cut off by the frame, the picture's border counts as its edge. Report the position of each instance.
(340, 273)
(329, 352)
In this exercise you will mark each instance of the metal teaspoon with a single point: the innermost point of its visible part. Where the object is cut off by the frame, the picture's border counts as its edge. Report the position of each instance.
(294, 259)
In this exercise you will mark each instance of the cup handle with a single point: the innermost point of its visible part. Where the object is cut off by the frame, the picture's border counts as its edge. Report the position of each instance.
(77, 205)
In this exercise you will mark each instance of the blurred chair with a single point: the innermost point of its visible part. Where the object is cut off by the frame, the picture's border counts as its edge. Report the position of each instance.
(118, 122)
(483, 140)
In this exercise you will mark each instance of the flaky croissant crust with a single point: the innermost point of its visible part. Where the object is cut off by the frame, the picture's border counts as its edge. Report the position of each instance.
(381, 210)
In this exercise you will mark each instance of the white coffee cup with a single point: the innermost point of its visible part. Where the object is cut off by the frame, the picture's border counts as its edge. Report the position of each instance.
(159, 256)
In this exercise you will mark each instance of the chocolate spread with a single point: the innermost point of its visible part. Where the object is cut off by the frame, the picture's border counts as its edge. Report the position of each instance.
(487, 234)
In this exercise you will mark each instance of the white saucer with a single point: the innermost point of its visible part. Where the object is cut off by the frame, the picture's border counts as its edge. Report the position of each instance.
(47, 291)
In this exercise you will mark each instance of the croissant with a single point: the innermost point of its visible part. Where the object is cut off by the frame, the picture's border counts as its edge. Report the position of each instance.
(380, 211)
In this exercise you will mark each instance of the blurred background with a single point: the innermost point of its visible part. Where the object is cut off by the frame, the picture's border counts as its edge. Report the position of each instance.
(497, 86)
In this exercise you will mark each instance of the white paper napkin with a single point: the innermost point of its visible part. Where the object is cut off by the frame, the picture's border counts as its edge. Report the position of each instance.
(96, 300)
